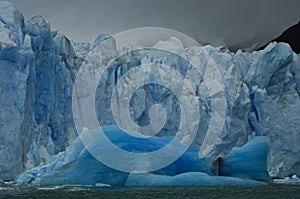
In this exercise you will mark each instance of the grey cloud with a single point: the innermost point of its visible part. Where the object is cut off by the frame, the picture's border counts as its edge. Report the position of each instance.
(234, 23)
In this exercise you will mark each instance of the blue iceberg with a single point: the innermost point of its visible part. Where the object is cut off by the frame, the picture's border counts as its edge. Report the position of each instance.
(249, 161)
(78, 167)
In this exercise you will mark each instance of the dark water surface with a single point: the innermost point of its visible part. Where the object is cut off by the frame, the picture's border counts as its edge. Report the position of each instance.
(274, 191)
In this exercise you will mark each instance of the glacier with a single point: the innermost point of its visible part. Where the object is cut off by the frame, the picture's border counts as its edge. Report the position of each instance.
(38, 68)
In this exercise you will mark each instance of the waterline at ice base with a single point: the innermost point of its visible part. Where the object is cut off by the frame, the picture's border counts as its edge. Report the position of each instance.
(246, 132)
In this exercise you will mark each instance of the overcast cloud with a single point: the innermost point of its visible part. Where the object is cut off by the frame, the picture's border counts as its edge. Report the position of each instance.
(234, 23)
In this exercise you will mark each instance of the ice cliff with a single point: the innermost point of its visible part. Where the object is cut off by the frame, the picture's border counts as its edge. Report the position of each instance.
(38, 67)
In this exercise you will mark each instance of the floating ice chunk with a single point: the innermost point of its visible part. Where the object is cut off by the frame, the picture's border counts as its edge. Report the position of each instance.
(102, 185)
(288, 180)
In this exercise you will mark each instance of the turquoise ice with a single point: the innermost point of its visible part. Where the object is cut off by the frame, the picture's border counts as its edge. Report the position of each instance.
(77, 166)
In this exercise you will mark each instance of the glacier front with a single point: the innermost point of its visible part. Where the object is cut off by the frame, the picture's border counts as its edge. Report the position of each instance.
(38, 68)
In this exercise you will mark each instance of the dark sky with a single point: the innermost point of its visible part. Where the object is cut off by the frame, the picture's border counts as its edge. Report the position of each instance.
(234, 23)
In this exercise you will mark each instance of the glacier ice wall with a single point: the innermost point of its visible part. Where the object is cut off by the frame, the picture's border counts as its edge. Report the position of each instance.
(14, 71)
(260, 88)
(38, 67)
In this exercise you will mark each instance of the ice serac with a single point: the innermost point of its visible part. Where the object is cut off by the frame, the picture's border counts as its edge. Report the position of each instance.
(37, 69)
(48, 128)
(15, 61)
(271, 81)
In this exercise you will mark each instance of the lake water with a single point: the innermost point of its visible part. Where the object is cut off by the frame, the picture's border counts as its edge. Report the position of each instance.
(262, 192)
